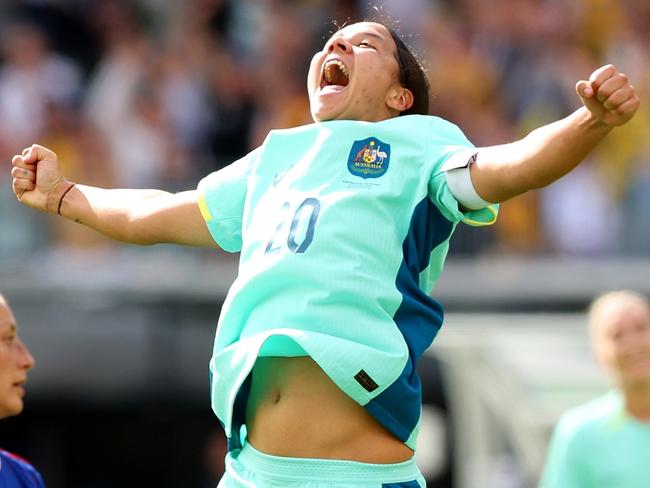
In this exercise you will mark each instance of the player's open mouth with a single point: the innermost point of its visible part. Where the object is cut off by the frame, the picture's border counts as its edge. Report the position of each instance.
(335, 76)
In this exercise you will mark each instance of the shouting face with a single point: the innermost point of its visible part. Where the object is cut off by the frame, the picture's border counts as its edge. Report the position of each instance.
(356, 76)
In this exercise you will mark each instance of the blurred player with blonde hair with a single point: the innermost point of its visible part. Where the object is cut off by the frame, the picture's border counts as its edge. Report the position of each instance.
(607, 441)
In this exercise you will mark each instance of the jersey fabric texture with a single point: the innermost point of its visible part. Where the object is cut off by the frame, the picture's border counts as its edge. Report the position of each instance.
(15, 472)
(599, 444)
(343, 228)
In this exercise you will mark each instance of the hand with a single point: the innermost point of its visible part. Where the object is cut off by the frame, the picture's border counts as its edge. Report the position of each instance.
(609, 96)
(37, 179)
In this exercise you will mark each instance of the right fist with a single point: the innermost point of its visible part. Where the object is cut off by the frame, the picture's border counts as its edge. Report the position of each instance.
(37, 179)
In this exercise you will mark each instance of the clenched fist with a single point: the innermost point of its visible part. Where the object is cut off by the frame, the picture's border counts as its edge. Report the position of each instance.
(37, 179)
(609, 96)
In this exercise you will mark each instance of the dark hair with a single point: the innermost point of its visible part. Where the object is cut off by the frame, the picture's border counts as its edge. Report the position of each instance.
(411, 76)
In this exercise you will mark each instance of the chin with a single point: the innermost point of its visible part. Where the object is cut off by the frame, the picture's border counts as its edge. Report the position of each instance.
(11, 410)
(324, 110)
(322, 116)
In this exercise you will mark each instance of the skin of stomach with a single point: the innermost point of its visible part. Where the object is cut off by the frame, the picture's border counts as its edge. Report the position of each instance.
(295, 410)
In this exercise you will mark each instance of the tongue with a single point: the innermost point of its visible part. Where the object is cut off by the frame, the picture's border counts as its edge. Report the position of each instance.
(336, 76)
(339, 78)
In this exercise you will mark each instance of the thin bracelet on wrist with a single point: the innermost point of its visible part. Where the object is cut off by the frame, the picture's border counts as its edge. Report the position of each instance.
(65, 192)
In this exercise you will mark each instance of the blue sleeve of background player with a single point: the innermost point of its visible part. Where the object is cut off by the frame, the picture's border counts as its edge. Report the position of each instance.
(16, 472)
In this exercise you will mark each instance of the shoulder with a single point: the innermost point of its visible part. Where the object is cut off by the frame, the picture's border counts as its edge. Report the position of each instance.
(13, 459)
(438, 131)
(16, 468)
(587, 420)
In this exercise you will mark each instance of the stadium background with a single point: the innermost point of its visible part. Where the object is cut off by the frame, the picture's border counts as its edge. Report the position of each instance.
(155, 93)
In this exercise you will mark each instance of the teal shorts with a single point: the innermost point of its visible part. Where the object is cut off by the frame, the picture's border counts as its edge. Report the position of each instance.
(250, 468)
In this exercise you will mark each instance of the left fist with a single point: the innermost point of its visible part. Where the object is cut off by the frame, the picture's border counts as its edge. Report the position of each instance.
(609, 96)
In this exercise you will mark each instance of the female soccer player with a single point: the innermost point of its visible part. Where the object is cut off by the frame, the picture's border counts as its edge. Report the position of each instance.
(343, 227)
(15, 363)
(608, 438)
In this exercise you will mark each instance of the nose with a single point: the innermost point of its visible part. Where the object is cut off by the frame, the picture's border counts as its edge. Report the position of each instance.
(339, 44)
(25, 358)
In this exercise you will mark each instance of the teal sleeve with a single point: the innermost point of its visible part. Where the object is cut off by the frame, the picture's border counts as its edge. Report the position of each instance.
(222, 196)
(566, 466)
(446, 141)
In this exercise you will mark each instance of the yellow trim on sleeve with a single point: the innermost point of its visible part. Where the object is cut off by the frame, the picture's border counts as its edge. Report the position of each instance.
(203, 207)
(479, 223)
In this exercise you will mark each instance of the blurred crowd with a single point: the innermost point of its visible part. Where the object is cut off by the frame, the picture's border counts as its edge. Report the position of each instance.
(157, 93)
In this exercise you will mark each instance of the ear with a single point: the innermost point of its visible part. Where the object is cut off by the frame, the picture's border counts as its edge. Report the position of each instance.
(400, 99)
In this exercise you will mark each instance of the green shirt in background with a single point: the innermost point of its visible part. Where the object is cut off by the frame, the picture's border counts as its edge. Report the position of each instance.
(599, 445)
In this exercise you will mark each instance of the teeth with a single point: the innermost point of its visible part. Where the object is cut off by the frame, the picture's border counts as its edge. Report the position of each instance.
(338, 63)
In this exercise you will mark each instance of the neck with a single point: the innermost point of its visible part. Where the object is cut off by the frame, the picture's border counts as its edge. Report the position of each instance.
(637, 399)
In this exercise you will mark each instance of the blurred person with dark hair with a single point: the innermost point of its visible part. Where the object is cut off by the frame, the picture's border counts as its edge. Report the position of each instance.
(31, 77)
(606, 442)
(15, 363)
(343, 228)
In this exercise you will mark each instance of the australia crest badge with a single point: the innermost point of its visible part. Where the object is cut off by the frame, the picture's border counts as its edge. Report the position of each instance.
(369, 158)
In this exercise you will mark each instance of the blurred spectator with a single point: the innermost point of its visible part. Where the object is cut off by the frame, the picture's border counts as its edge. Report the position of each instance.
(31, 77)
(177, 89)
(579, 216)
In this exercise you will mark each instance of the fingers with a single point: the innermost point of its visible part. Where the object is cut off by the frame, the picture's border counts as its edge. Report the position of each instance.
(21, 185)
(36, 153)
(618, 98)
(19, 162)
(608, 95)
(612, 85)
(601, 75)
(24, 179)
(584, 89)
(18, 172)
(628, 108)
(587, 94)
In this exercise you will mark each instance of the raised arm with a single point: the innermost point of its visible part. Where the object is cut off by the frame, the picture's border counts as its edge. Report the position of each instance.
(548, 153)
(133, 216)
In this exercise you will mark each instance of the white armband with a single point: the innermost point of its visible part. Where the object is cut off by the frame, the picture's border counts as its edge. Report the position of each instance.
(459, 181)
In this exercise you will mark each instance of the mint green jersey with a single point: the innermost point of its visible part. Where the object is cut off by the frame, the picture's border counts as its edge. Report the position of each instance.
(343, 229)
(599, 445)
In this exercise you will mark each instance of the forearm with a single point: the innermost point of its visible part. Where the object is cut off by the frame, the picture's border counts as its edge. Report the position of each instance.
(117, 213)
(133, 216)
(540, 158)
